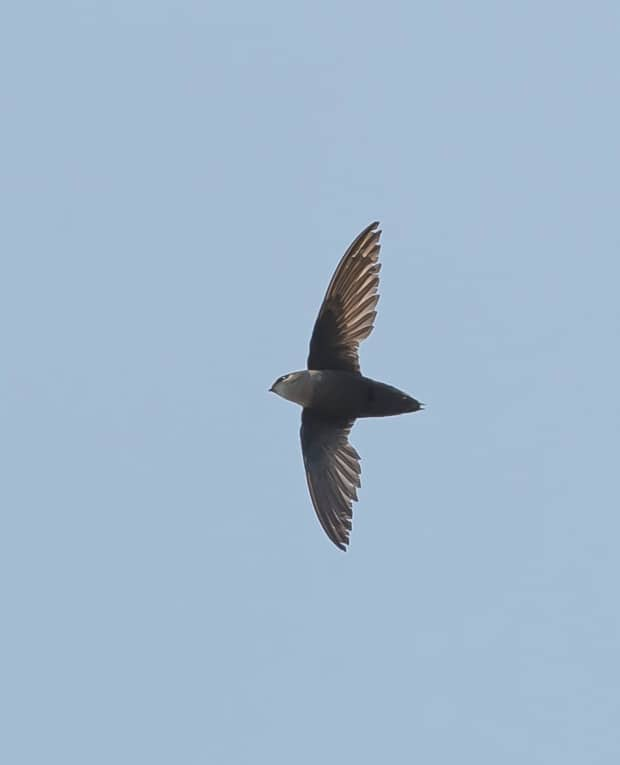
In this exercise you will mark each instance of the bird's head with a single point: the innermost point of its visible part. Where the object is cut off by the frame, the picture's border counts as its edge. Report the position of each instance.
(295, 386)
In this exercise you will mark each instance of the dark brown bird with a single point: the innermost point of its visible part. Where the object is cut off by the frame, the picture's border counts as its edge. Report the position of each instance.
(333, 392)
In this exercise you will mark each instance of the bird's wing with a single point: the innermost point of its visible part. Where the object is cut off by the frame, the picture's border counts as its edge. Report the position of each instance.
(332, 471)
(348, 311)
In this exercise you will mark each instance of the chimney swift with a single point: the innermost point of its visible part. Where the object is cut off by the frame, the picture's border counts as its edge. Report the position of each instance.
(333, 392)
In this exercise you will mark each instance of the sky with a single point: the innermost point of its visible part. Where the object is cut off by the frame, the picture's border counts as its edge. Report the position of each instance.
(179, 181)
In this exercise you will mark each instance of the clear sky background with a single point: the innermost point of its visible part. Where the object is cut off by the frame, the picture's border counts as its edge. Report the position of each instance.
(178, 182)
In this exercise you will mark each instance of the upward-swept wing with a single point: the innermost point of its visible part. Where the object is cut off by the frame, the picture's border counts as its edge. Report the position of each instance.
(347, 314)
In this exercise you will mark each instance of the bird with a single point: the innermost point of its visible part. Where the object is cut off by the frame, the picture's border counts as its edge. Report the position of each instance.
(332, 391)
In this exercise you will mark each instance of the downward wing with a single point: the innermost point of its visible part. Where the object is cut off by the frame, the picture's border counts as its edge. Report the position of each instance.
(332, 471)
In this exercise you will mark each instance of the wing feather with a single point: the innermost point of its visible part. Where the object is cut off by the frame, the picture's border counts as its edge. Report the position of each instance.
(347, 314)
(333, 472)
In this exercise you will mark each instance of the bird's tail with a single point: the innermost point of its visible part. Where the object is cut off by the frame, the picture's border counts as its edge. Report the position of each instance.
(385, 400)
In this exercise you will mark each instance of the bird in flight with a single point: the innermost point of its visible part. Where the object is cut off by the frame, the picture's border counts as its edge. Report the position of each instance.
(334, 393)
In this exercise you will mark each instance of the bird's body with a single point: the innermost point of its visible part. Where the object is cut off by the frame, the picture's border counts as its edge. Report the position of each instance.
(334, 393)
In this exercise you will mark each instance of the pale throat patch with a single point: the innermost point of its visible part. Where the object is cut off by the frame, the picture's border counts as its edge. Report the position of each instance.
(297, 387)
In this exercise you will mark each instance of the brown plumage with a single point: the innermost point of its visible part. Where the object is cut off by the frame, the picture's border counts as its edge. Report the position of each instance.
(348, 311)
(333, 391)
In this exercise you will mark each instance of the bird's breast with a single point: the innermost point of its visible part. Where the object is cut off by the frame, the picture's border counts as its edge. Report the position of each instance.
(338, 394)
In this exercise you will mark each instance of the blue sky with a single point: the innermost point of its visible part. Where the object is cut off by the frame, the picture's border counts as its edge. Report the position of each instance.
(178, 183)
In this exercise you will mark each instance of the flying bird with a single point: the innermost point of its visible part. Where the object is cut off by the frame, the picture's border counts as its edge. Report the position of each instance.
(332, 390)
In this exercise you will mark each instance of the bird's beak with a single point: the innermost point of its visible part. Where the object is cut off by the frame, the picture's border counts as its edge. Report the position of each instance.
(271, 390)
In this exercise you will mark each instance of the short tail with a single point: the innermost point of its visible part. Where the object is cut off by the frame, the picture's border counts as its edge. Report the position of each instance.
(385, 401)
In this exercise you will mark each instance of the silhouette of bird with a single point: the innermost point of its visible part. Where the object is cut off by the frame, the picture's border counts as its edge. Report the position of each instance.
(334, 393)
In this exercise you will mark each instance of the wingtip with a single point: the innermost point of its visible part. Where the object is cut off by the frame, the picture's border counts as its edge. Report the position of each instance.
(370, 227)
